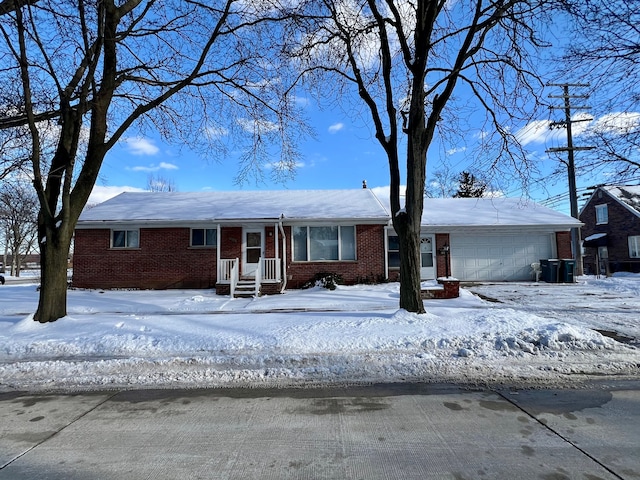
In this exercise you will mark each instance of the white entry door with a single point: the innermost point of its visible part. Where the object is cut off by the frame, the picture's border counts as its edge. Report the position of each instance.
(252, 245)
(427, 270)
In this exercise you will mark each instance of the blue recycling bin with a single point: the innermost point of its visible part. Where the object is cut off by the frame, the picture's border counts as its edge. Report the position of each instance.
(567, 270)
(550, 270)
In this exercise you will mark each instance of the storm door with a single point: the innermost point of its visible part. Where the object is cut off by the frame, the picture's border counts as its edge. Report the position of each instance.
(252, 245)
(427, 271)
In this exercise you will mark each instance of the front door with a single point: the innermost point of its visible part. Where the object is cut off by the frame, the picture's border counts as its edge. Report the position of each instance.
(427, 272)
(251, 250)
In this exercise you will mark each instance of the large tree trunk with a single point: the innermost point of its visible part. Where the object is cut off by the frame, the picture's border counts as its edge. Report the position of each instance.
(409, 240)
(52, 303)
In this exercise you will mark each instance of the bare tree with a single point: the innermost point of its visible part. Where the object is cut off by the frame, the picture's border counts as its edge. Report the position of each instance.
(98, 69)
(442, 183)
(18, 220)
(604, 52)
(406, 59)
(159, 183)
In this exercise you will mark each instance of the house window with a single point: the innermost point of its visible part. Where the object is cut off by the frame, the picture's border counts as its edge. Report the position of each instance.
(125, 239)
(602, 214)
(634, 246)
(326, 243)
(393, 251)
(204, 237)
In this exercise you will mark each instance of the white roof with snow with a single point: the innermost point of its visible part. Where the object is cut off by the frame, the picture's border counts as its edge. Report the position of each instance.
(290, 205)
(360, 204)
(628, 195)
(491, 212)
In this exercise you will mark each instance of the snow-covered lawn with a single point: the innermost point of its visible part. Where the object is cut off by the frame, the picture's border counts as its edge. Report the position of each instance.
(537, 334)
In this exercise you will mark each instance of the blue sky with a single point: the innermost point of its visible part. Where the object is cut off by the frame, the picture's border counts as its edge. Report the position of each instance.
(342, 155)
(344, 152)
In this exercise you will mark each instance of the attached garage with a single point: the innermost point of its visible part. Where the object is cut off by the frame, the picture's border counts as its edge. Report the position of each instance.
(491, 257)
(494, 239)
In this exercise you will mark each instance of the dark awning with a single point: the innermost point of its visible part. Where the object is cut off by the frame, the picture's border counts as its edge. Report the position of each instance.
(596, 240)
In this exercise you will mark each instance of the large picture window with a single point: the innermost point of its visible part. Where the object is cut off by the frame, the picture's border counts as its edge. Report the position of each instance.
(324, 243)
(204, 237)
(634, 246)
(125, 239)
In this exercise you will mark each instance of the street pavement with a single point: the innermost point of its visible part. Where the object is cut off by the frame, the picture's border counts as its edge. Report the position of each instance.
(395, 431)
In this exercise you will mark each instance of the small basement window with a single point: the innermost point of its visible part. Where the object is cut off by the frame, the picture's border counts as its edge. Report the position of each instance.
(204, 237)
(125, 239)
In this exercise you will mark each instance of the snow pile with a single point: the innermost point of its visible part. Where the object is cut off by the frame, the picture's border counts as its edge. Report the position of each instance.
(535, 334)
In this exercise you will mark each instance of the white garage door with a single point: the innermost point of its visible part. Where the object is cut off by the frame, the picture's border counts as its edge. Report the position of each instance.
(497, 257)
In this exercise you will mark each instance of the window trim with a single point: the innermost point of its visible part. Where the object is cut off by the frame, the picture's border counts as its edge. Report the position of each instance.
(602, 211)
(204, 236)
(390, 251)
(308, 243)
(126, 235)
(636, 240)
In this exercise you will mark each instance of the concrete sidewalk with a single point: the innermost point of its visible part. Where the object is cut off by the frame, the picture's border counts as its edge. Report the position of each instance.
(400, 431)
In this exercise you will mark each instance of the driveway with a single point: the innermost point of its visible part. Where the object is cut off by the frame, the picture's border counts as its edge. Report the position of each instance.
(408, 431)
(613, 312)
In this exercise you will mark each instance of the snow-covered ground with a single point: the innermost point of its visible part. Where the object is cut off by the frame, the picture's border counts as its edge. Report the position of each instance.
(537, 334)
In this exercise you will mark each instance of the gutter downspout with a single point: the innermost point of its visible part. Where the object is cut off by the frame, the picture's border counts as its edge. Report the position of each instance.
(284, 256)
(218, 269)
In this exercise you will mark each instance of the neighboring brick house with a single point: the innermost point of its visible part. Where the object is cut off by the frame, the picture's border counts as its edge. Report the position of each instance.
(264, 242)
(611, 231)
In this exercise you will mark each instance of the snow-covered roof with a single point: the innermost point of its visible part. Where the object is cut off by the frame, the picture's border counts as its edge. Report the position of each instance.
(629, 196)
(492, 212)
(360, 204)
(595, 236)
(290, 205)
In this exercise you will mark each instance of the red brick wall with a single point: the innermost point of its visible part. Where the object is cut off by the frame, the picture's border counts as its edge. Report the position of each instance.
(164, 260)
(563, 244)
(442, 239)
(231, 242)
(369, 266)
(622, 224)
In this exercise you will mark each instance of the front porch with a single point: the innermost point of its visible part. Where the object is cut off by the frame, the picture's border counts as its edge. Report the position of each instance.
(266, 279)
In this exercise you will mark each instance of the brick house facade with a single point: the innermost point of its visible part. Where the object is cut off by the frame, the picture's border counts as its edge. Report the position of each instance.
(264, 242)
(165, 259)
(611, 231)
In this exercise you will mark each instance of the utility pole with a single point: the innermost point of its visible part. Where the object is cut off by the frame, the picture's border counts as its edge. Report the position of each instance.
(576, 242)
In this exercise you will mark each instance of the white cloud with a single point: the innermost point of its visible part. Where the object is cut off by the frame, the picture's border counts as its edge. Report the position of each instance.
(453, 151)
(101, 194)
(617, 123)
(140, 146)
(283, 165)
(216, 132)
(537, 131)
(253, 126)
(336, 127)
(154, 167)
